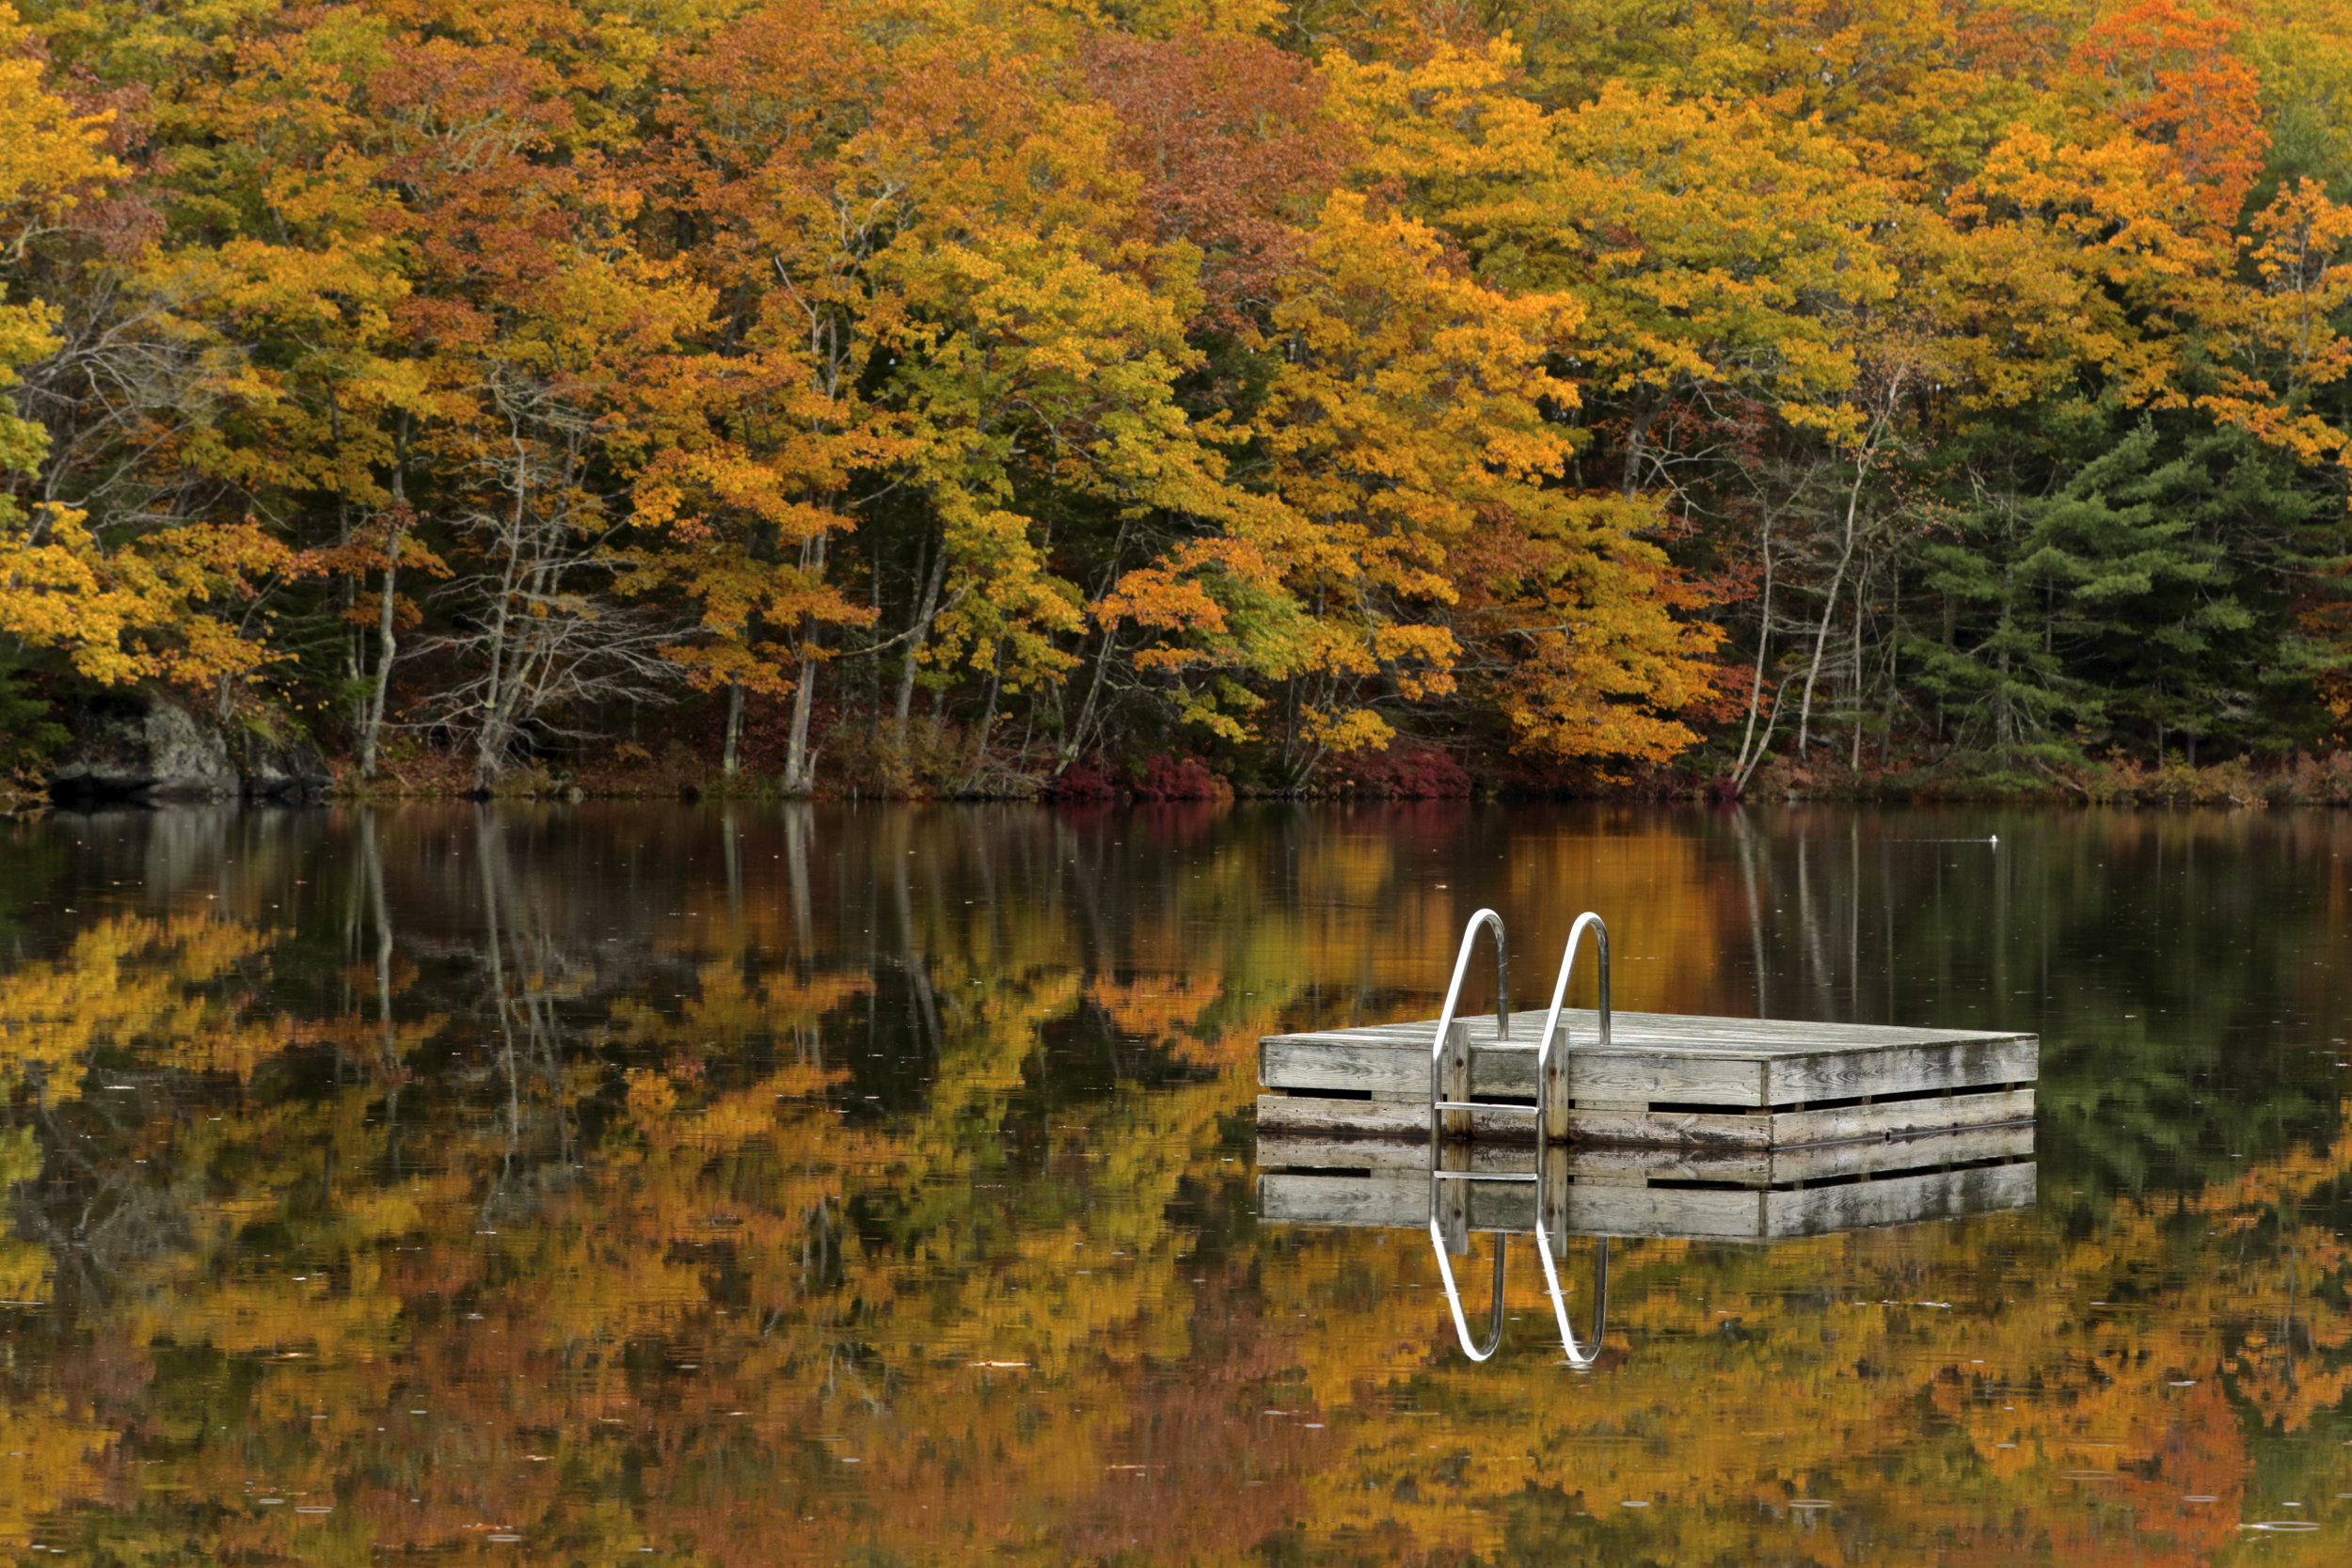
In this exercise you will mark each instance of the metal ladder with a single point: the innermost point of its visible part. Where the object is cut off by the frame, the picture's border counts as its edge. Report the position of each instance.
(1451, 1109)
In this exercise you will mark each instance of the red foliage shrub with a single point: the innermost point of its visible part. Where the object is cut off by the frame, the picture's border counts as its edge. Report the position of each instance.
(1402, 773)
(1168, 778)
(1082, 786)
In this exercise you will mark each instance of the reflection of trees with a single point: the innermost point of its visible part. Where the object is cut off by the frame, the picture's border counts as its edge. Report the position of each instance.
(94, 1040)
(102, 1219)
(2009, 1418)
(925, 1131)
(2161, 957)
(563, 1171)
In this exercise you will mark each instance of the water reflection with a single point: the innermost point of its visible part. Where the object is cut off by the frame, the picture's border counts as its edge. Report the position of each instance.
(1694, 1195)
(803, 1184)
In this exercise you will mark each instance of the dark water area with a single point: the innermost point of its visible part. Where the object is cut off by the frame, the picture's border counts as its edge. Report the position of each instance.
(815, 1184)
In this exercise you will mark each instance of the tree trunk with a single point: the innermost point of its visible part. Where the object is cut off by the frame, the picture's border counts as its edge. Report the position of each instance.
(389, 1050)
(988, 713)
(920, 629)
(491, 741)
(1829, 608)
(386, 649)
(1077, 739)
(799, 766)
(1865, 457)
(355, 653)
(735, 728)
(1861, 592)
(491, 744)
(1636, 432)
(1894, 649)
(1748, 759)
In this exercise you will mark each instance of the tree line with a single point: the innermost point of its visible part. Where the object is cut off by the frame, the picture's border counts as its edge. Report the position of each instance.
(971, 395)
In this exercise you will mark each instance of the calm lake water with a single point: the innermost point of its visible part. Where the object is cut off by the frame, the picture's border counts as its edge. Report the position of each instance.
(787, 1184)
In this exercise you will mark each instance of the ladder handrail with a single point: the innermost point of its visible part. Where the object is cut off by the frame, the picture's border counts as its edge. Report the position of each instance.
(1550, 1065)
(1446, 1065)
(1461, 968)
(1581, 1360)
(1454, 1294)
(1551, 1217)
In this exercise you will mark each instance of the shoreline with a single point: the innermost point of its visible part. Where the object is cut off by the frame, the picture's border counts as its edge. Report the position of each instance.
(2236, 784)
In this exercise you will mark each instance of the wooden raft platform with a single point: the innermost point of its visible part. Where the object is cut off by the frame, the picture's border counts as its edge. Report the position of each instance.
(1730, 1196)
(1667, 1079)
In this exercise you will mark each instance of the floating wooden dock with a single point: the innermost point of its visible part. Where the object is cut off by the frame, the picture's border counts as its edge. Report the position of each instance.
(1703, 1195)
(1669, 1080)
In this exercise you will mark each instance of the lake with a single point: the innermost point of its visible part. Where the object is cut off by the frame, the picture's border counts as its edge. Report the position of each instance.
(794, 1183)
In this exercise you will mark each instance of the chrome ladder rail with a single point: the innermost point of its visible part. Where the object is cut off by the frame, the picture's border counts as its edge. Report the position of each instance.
(1476, 1352)
(1450, 1058)
(1551, 1215)
(1552, 1056)
(1582, 1360)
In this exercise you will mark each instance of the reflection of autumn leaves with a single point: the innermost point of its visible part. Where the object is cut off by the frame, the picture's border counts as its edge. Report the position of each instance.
(2080, 1396)
(704, 1291)
(1164, 1010)
(1669, 918)
(661, 1282)
(171, 988)
(45, 1453)
(713, 1285)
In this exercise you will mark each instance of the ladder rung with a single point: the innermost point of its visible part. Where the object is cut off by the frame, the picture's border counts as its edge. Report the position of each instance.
(1483, 1175)
(1505, 1045)
(1481, 1105)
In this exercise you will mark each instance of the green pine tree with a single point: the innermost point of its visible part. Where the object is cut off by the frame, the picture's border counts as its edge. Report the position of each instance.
(2127, 585)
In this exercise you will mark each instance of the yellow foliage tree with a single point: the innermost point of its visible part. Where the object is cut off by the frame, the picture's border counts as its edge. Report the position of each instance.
(120, 612)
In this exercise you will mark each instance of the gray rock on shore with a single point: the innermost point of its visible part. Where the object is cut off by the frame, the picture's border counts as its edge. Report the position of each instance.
(144, 746)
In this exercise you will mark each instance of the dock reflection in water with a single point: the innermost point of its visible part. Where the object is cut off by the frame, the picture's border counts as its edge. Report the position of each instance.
(1598, 1191)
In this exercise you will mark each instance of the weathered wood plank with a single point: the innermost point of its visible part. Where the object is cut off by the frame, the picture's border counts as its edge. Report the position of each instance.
(1702, 1128)
(1956, 1146)
(1306, 1062)
(1751, 1167)
(1694, 1031)
(1903, 1116)
(1292, 1062)
(1780, 1213)
(1840, 1074)
(1378, 1119)
(1721, 1131)
(1401, 1201)
(1313, 1150)
(1384, 1203)
(1390, 1201)
(1787, 1129)
(1901, 1201)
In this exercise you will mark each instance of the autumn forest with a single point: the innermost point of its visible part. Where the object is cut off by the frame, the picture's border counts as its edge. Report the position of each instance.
(997, 396)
